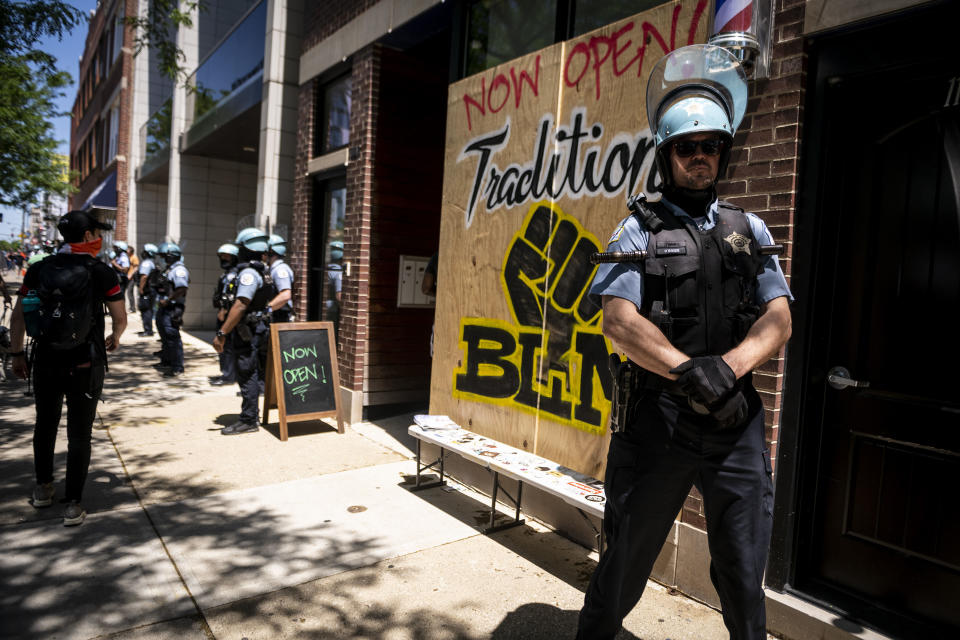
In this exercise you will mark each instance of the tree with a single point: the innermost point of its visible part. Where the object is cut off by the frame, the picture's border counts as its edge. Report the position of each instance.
(157, 30)
(29, 83)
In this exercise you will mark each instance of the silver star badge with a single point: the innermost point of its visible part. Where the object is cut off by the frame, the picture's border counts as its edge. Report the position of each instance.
(739, 243)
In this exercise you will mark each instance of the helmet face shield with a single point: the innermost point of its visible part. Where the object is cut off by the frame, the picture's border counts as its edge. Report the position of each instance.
(687, 81)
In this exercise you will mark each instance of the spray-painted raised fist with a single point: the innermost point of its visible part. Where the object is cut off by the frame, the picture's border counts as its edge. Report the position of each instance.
(546, 274)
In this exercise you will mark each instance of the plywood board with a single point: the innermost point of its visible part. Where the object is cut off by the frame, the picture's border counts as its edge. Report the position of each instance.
(542, 153)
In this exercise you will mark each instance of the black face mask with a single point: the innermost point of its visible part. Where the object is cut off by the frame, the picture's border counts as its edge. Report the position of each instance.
(226, 265)
(694, 202)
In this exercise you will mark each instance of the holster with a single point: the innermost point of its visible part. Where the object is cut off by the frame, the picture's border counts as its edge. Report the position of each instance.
(176, 315)
(625, 378)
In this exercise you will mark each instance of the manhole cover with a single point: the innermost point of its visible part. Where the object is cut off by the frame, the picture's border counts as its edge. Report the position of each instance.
(357, 508)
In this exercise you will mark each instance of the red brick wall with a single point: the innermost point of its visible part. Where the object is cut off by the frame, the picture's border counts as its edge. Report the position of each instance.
(410, 142)
(327, 17)
(124, 138)
(762, 178)
(361, 202)
(303, 197)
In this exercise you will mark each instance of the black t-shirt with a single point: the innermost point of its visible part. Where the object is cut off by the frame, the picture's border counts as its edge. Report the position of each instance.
(106, 289)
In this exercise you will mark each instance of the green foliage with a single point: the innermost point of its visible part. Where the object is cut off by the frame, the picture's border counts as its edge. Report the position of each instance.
(9, 246)
(29, 84)
(157, 30)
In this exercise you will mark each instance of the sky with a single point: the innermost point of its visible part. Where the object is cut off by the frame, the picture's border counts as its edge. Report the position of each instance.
(68, 52)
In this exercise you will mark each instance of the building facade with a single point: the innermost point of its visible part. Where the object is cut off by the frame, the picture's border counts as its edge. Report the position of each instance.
(394, 95)
(215, 154)
(100, 124)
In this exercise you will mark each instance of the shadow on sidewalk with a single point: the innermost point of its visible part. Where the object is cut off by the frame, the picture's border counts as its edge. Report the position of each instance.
(538, 621)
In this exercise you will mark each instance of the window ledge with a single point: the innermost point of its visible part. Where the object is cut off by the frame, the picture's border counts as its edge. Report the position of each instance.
(332, 160)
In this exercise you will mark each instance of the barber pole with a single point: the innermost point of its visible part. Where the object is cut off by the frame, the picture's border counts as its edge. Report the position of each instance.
(734, 29)
(732, 15)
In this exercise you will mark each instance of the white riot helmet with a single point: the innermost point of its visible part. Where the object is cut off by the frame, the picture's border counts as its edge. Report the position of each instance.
(696, 89)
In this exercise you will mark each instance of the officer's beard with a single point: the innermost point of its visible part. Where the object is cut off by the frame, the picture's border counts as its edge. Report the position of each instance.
(695, 202)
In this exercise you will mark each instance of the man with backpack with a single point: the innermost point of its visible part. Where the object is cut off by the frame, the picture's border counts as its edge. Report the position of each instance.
(61, 306)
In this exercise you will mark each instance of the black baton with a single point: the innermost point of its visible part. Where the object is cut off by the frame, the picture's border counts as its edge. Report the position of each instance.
(640, 256)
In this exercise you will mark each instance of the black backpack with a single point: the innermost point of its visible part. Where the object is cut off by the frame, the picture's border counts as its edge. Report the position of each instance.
(66, 315)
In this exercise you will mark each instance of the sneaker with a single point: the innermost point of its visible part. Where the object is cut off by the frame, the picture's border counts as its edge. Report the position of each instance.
(158, 353)
(43, 495)
(173, 373)
(73, 514)
(239, 427)
(219, 382)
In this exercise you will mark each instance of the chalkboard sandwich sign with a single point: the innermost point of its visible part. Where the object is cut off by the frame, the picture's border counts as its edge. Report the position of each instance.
(302, 380)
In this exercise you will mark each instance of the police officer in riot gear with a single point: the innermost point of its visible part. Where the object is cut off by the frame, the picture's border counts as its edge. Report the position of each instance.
(281, 305)
(171, 302)
(247, 325)
(694, 319)
(223, 298)
(147, 293)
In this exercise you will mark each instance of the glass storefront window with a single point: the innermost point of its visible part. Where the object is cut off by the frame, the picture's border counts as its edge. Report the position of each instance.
(501, 30)
(329, 215)
(593, 14)
(155, 133)
(237, 61)
(334, 130)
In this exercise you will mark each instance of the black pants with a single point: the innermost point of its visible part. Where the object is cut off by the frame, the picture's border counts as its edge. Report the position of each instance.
(650, 470)
(228, 359)
(168, 322)
(251, 361)
(147, 314)
(81, 386)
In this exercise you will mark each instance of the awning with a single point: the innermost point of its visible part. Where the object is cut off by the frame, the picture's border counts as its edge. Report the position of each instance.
(104, 196)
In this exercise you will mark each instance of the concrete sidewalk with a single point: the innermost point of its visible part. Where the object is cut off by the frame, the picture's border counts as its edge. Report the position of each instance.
(191, 534)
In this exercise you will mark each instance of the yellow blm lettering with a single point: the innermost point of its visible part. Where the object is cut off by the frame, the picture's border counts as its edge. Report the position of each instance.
(500, 368)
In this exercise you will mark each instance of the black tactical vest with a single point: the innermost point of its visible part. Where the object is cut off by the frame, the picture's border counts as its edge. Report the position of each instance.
(226, 291)
(699, 287)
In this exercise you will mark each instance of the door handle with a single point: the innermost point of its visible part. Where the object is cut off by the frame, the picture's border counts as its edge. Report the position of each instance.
(839, 378)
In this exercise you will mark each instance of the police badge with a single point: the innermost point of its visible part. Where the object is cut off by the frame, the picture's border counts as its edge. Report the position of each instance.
(738, 242)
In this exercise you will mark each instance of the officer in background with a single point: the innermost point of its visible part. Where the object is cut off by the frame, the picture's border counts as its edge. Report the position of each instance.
(281, 306)
(146, 288)
(694, 320)
(120, 262)
(172, 301)
(247, 326)
(223, 298)
(334, 287)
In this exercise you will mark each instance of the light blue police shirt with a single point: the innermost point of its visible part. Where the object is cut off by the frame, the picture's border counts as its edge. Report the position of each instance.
(123, 260)
(178, 275)
(625, 279)
(248, 282)
(282, 276)
(146, 266)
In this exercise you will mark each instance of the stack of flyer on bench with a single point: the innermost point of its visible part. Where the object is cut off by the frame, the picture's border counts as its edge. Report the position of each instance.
(435, 423)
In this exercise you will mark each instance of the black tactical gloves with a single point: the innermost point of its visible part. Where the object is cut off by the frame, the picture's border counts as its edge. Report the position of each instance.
(706, 379)
(709, 381)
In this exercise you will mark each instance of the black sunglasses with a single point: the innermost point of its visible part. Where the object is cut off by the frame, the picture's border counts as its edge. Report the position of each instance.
(686, 148)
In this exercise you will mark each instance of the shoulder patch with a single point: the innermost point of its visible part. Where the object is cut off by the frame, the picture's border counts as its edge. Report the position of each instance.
(246, 279)
(181, 272)
(618, 231)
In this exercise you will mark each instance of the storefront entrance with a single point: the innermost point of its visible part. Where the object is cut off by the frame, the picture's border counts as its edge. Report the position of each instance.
(877, 527)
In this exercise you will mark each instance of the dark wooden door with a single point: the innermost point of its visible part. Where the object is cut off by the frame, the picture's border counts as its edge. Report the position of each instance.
(880, 532)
